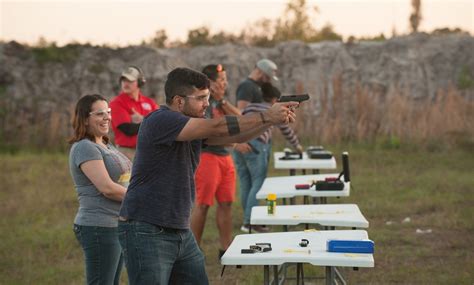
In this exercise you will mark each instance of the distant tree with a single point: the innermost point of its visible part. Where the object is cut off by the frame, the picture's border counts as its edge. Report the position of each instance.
(327, 33)
(44, 43)
(352, 39)
(159, 40)
(222, 38)
(380, 37)
(199, 36)
(295, 23)
(175, 44)
(260, 33)
(447, 31)
(415, 17)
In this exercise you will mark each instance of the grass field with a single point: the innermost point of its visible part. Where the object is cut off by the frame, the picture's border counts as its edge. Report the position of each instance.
(435, 189)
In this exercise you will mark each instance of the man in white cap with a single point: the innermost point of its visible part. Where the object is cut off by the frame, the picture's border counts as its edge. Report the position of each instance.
(128, 110)
(249, 90)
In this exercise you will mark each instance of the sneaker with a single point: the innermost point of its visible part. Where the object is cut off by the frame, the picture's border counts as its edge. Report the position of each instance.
(245, 228)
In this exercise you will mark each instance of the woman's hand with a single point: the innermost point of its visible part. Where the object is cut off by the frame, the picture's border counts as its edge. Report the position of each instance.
(217, 91)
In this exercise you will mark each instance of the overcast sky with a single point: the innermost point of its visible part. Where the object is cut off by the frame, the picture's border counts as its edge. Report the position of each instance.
(126, 22)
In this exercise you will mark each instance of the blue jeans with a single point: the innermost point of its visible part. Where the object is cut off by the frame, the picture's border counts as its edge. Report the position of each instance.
(102, 252)
(158, 255)
(252, 169)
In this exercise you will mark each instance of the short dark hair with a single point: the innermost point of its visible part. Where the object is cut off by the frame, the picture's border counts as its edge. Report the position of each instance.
(81, 113)
(269, 92)
(212, 70)
(182, 81)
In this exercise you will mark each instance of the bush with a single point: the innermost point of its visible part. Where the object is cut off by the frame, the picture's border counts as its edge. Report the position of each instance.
(53, 53)
(465, 80)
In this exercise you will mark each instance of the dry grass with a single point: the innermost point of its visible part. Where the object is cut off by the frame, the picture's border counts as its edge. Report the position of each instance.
(356, 115)
(361, 115)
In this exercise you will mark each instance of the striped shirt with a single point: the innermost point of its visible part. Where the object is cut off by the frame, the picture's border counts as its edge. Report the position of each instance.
(267, 135)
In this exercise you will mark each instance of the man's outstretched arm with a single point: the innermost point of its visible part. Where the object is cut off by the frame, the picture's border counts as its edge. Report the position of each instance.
(236, 126)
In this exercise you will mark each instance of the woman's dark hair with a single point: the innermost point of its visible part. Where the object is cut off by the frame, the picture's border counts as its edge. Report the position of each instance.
(182, 81)
(212, 70)
(81, 113)
(269, 92)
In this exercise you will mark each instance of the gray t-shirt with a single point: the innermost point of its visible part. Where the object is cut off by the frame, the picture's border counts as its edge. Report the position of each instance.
(94, 208)
(249, 90)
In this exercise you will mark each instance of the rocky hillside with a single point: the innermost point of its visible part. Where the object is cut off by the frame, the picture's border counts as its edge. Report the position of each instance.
(36, 82)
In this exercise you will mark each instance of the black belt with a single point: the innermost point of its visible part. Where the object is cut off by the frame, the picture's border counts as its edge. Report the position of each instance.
(165, 229)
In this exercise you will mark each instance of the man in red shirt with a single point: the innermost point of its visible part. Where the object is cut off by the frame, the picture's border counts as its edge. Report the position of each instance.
(128, 110)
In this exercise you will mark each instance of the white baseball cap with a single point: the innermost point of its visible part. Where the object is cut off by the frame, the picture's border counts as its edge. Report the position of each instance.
(131, 73)
(268, 67)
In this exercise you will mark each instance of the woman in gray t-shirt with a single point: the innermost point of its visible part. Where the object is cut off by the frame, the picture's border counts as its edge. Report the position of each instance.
(101, 175)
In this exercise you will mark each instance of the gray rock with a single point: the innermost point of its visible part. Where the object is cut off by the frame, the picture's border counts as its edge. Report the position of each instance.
(36, 84)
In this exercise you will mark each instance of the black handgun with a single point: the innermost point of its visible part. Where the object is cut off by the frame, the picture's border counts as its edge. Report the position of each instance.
(294, 98)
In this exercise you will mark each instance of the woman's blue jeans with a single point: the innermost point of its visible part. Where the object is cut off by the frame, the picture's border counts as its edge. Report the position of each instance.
(102, 253)
(158, 255)
(252, 169)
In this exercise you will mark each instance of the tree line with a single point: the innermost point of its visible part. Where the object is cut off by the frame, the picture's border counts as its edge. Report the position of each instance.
(296, 23)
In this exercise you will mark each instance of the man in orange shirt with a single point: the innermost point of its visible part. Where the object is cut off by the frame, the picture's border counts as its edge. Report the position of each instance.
(215, 175)
(128, 110)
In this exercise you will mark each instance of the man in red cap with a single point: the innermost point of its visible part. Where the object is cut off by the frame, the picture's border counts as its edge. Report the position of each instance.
(128, 110)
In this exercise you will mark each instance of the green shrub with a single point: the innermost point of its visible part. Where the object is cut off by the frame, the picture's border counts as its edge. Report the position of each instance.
(53, 53)
(465, 80)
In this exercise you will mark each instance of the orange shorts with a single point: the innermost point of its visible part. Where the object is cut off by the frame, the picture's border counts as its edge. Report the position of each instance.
(215, 177)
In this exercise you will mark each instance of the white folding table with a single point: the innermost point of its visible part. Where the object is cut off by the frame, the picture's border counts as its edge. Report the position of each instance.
(328, 215)
(304, 163)
(286, 249)
(284, 187)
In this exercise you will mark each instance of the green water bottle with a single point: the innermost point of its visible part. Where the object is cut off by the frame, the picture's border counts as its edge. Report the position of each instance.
(271, 203)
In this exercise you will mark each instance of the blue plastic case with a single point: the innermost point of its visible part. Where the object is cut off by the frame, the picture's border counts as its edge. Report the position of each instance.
(350, 246)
